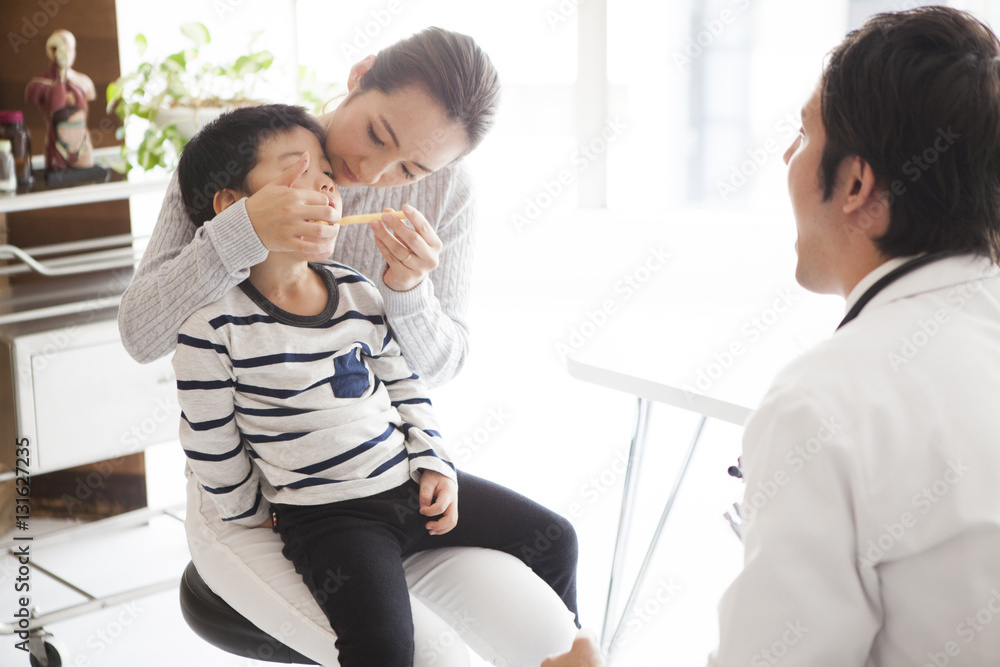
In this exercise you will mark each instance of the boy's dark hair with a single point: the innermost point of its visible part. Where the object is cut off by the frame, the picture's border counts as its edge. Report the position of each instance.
(223, 153)
(916, 95)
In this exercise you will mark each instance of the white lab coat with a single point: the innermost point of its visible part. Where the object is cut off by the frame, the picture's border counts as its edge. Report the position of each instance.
(872, 501)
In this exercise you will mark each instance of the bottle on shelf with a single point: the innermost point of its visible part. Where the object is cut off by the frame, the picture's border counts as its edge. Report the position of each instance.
(8, 179)
(12, 127)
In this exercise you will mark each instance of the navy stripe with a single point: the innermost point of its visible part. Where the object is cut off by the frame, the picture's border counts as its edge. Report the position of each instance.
(273, 412)
(431, 453)
(281, 358)
(350, 270)
(429, 431)
(229, 489)
(281, 437)
(279, 393)
(413, 376)
(210, 424)
(310, 481)
(351, 279)
(189, 385)
(223, 320)
(355, 315)
(249, 512)
(200, 343)
(391, 463)
(412, 401)
(386, 340)
(202, 456)
(349, 454)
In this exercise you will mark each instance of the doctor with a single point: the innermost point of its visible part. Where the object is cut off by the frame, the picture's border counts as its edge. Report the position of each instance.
(872, 466)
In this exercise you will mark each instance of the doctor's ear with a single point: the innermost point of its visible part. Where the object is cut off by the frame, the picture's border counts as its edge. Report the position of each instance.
(358, 71)
(865, 203)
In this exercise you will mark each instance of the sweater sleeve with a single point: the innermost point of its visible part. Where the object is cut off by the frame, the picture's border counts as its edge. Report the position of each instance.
(183, 269)
(208, 432)
(408, 394)
(429, 321)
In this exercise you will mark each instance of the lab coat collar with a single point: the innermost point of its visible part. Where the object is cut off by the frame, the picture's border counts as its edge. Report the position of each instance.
(940, 274)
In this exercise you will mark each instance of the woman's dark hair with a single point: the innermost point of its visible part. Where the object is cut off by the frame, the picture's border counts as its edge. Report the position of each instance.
(916, 95)
(448, 66)
(224, 152)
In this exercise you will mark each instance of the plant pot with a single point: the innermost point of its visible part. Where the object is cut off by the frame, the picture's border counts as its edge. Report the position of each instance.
(187, 120)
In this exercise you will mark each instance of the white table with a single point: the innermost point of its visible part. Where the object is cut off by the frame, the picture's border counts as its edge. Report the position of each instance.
(691, 339)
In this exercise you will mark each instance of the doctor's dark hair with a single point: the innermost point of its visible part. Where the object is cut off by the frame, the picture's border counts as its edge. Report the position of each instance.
(224, 152)
(916, 95)
(448, 66)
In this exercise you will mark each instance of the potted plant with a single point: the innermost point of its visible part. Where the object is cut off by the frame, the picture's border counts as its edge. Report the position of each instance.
(170, 98)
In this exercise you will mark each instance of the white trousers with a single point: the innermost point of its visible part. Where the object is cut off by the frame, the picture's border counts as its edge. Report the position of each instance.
(486, 600)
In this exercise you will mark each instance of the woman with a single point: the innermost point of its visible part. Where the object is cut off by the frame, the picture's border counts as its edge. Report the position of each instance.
(409, 114)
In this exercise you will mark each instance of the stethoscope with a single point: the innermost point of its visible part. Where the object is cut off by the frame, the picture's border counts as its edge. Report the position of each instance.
(869, 294)
(891, 277)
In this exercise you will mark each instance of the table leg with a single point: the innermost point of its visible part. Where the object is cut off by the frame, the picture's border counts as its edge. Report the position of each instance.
(609, 645)
(625, 518)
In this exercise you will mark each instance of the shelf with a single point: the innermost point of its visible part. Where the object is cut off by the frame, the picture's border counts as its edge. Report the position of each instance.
(138, 183)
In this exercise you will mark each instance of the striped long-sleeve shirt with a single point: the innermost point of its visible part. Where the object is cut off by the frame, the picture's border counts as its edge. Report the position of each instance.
(300, 410)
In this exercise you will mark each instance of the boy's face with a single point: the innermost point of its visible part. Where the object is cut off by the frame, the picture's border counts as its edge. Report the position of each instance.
(282, 151)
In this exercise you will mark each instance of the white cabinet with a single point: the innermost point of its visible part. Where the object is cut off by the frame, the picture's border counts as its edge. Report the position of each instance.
(66, 383)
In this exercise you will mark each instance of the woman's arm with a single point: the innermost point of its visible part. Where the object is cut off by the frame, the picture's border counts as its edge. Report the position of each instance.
(181, 270)
(185, 267)
(429, 321)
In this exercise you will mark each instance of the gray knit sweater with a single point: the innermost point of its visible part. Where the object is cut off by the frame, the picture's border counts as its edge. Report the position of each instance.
(184, 268)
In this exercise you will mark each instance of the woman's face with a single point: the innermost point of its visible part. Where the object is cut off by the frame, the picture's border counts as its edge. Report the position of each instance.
(384, 140)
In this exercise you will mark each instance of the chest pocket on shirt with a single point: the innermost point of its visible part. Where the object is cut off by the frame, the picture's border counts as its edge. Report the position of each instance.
(350, 375)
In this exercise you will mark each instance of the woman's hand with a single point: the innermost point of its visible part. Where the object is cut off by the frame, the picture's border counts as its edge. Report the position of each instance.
(285, 218)
(410, 253)
(438, 495)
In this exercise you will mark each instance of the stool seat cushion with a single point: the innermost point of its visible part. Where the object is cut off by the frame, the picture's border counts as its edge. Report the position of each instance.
(220, 625)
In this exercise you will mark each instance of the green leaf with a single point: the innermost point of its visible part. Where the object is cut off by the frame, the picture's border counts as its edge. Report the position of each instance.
(141, 44)
(197, 33)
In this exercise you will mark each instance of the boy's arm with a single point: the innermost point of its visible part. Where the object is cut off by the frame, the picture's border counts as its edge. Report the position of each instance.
(408, 393)
(181, 270)
(208, 432)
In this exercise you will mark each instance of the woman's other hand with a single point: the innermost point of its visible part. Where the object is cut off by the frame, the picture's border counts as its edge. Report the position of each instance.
(410, 253)
(285, 218)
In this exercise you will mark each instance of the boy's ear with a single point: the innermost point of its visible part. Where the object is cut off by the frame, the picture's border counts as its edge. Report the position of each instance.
(224, 199)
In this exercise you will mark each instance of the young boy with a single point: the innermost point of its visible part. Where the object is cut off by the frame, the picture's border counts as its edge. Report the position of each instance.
(297, 405)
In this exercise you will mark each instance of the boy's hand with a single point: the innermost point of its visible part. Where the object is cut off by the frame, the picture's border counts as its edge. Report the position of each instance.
(285, 217)
(438, 495)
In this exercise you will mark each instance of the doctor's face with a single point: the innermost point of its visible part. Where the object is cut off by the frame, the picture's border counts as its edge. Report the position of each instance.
(813, 216)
